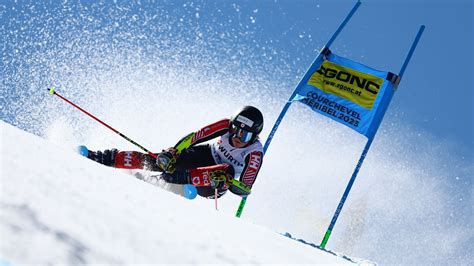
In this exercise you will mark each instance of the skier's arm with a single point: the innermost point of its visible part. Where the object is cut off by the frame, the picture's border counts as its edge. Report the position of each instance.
(166, 159)
(253, 162)
(206, 133)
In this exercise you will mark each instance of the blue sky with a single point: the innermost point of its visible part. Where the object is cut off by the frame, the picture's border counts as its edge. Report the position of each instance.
(436, 93)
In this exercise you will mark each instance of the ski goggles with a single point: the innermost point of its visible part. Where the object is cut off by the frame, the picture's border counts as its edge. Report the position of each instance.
(242, 134)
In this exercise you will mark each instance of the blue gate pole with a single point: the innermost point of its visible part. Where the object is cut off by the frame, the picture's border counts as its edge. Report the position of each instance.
(412, 49)
(366, 149)
(308, 74)
(311, 69)
(346, 193)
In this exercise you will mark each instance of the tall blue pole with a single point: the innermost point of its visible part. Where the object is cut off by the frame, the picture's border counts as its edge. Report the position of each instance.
(311, 69)
(412, 49)
(365, 151)
(308, 74)
(346, 193)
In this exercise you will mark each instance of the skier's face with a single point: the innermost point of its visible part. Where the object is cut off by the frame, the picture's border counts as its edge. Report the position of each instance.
(236, 142)
(240, 137)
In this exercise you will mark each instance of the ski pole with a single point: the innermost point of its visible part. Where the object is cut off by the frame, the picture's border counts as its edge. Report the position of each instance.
(52, 91)
(215, 197)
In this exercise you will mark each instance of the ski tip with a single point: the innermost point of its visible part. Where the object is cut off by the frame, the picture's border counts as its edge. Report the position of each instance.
(190, 191)
(82, 150)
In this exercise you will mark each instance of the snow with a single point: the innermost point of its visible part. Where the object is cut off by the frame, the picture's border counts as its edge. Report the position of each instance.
(57, 207)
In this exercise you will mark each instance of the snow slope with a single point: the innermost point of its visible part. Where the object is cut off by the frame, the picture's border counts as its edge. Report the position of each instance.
(59, 208)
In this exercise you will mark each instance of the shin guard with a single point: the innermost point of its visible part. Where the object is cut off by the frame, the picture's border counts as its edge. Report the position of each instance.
(129, 160)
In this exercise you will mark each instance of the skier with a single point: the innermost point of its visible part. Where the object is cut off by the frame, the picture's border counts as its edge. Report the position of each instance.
(232, 162)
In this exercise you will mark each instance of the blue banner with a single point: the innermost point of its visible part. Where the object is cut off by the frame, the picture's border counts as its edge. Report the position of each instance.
(348, 92)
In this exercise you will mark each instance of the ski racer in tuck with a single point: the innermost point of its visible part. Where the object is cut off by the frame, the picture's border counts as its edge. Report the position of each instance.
(231, 162)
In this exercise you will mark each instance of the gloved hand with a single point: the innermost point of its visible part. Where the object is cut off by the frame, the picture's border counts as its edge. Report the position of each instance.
(166, 160)
(218, 179)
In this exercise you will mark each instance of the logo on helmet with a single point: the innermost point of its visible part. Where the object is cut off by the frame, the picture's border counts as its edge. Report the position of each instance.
(244, 120)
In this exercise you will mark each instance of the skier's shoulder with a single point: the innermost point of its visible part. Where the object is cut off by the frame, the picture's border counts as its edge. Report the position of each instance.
(258, 145)
(255, 148)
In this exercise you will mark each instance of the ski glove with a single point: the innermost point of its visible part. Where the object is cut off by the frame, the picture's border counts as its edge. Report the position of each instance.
(166, 160)
(218, 179)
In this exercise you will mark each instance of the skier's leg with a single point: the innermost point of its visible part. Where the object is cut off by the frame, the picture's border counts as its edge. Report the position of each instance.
(130, 160)
(124, 159)
(193, 157)
(201, 178)
(197, 156)
(106, 157)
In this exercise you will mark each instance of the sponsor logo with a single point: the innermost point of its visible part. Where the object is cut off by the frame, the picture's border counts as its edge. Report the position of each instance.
(352, 79)
(205, 178)
(202, 179)
(229, 156)
(196, 180)
(255, 161)
(244, 120)
(252, 168)
(355, 86)
(127, 159)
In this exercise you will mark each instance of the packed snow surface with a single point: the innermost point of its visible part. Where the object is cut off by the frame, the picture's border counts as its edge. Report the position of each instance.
(57, 207)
